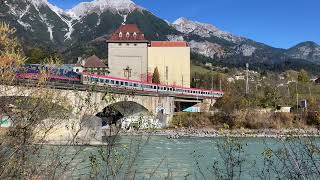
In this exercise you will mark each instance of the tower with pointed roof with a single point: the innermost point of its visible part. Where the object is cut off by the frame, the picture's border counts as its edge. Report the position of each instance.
(128, 51)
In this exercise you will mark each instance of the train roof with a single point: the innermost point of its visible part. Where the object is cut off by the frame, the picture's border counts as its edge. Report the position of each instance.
(135, 81)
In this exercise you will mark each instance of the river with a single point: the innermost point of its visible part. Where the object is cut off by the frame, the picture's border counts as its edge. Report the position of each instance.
(182, 158)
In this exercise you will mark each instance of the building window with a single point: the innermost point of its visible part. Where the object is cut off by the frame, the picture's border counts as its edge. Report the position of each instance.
(128, 44)
(128, 34)
(134, 34)
(120, 34)
(135, 44)
(120, 44)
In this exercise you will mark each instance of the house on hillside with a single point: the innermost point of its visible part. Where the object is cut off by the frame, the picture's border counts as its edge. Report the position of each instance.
(92, 65)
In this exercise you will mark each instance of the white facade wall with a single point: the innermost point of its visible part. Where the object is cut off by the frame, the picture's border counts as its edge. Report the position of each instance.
(132, 55)
(173, 64)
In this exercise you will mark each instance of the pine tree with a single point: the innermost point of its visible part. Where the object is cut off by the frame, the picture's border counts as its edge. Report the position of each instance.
(156, 76)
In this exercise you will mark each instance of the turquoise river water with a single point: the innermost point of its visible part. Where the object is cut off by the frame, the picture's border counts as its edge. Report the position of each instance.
(158, 157)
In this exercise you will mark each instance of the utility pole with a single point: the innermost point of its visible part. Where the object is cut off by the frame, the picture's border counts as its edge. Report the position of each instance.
(182, 81)
(220, 84)
(211, 82)
(247, 80)
(310, 94)
(297, 96)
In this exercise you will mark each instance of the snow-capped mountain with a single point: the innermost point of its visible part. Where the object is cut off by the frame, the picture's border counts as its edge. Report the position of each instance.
(210, 41)
(84, 28)
(123, 7)
(37, 20)
(203, 29)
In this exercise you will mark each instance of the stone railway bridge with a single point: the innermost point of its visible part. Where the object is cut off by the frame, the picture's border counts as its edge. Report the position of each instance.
(88, 107)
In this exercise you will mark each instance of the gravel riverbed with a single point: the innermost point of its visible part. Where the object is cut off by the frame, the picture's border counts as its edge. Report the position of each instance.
(191, 132)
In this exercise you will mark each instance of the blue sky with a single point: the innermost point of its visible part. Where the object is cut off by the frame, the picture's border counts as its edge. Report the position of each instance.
(280, 23)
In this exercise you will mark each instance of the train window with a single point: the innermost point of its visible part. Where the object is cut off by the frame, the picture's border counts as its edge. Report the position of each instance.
(121, 83)
(165, 88)
(112, 81)
(101, 80)
(135, 84)
(154, 87)
(126, 83)
(107, 81)
(130, 84)
(117, 82)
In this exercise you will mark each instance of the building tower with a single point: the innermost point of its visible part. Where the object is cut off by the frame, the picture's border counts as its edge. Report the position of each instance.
(128, 53)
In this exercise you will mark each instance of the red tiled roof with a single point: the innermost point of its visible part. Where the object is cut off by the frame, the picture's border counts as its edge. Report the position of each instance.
(131, 28)
(168, 44)
(128, 32)
(94, 61)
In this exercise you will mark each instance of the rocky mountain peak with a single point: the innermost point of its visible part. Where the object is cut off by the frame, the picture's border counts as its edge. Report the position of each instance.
(38, 3)
(309, 44)
(99, 6)
(187, 26)
(305, 50)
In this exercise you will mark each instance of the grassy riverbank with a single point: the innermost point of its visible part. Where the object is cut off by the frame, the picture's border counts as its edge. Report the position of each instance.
(245, 119)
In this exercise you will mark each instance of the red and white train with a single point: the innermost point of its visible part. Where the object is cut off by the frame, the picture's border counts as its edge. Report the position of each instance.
(91, 79)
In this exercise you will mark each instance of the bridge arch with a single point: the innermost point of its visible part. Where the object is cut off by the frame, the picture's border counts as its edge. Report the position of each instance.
(115, 112)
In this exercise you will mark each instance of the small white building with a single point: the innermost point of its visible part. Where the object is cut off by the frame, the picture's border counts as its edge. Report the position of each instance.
(239, 77)
(283, 109)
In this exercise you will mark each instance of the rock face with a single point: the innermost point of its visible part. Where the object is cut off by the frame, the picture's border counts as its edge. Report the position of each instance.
(84, 28)
(208, 49)
(99, 6)
(306, 50)
(204, 30)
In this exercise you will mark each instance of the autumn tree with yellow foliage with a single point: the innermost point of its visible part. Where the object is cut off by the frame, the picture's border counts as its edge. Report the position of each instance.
(11, 55)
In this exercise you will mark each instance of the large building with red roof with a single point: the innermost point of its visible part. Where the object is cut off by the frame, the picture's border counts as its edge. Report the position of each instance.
(132, 56)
